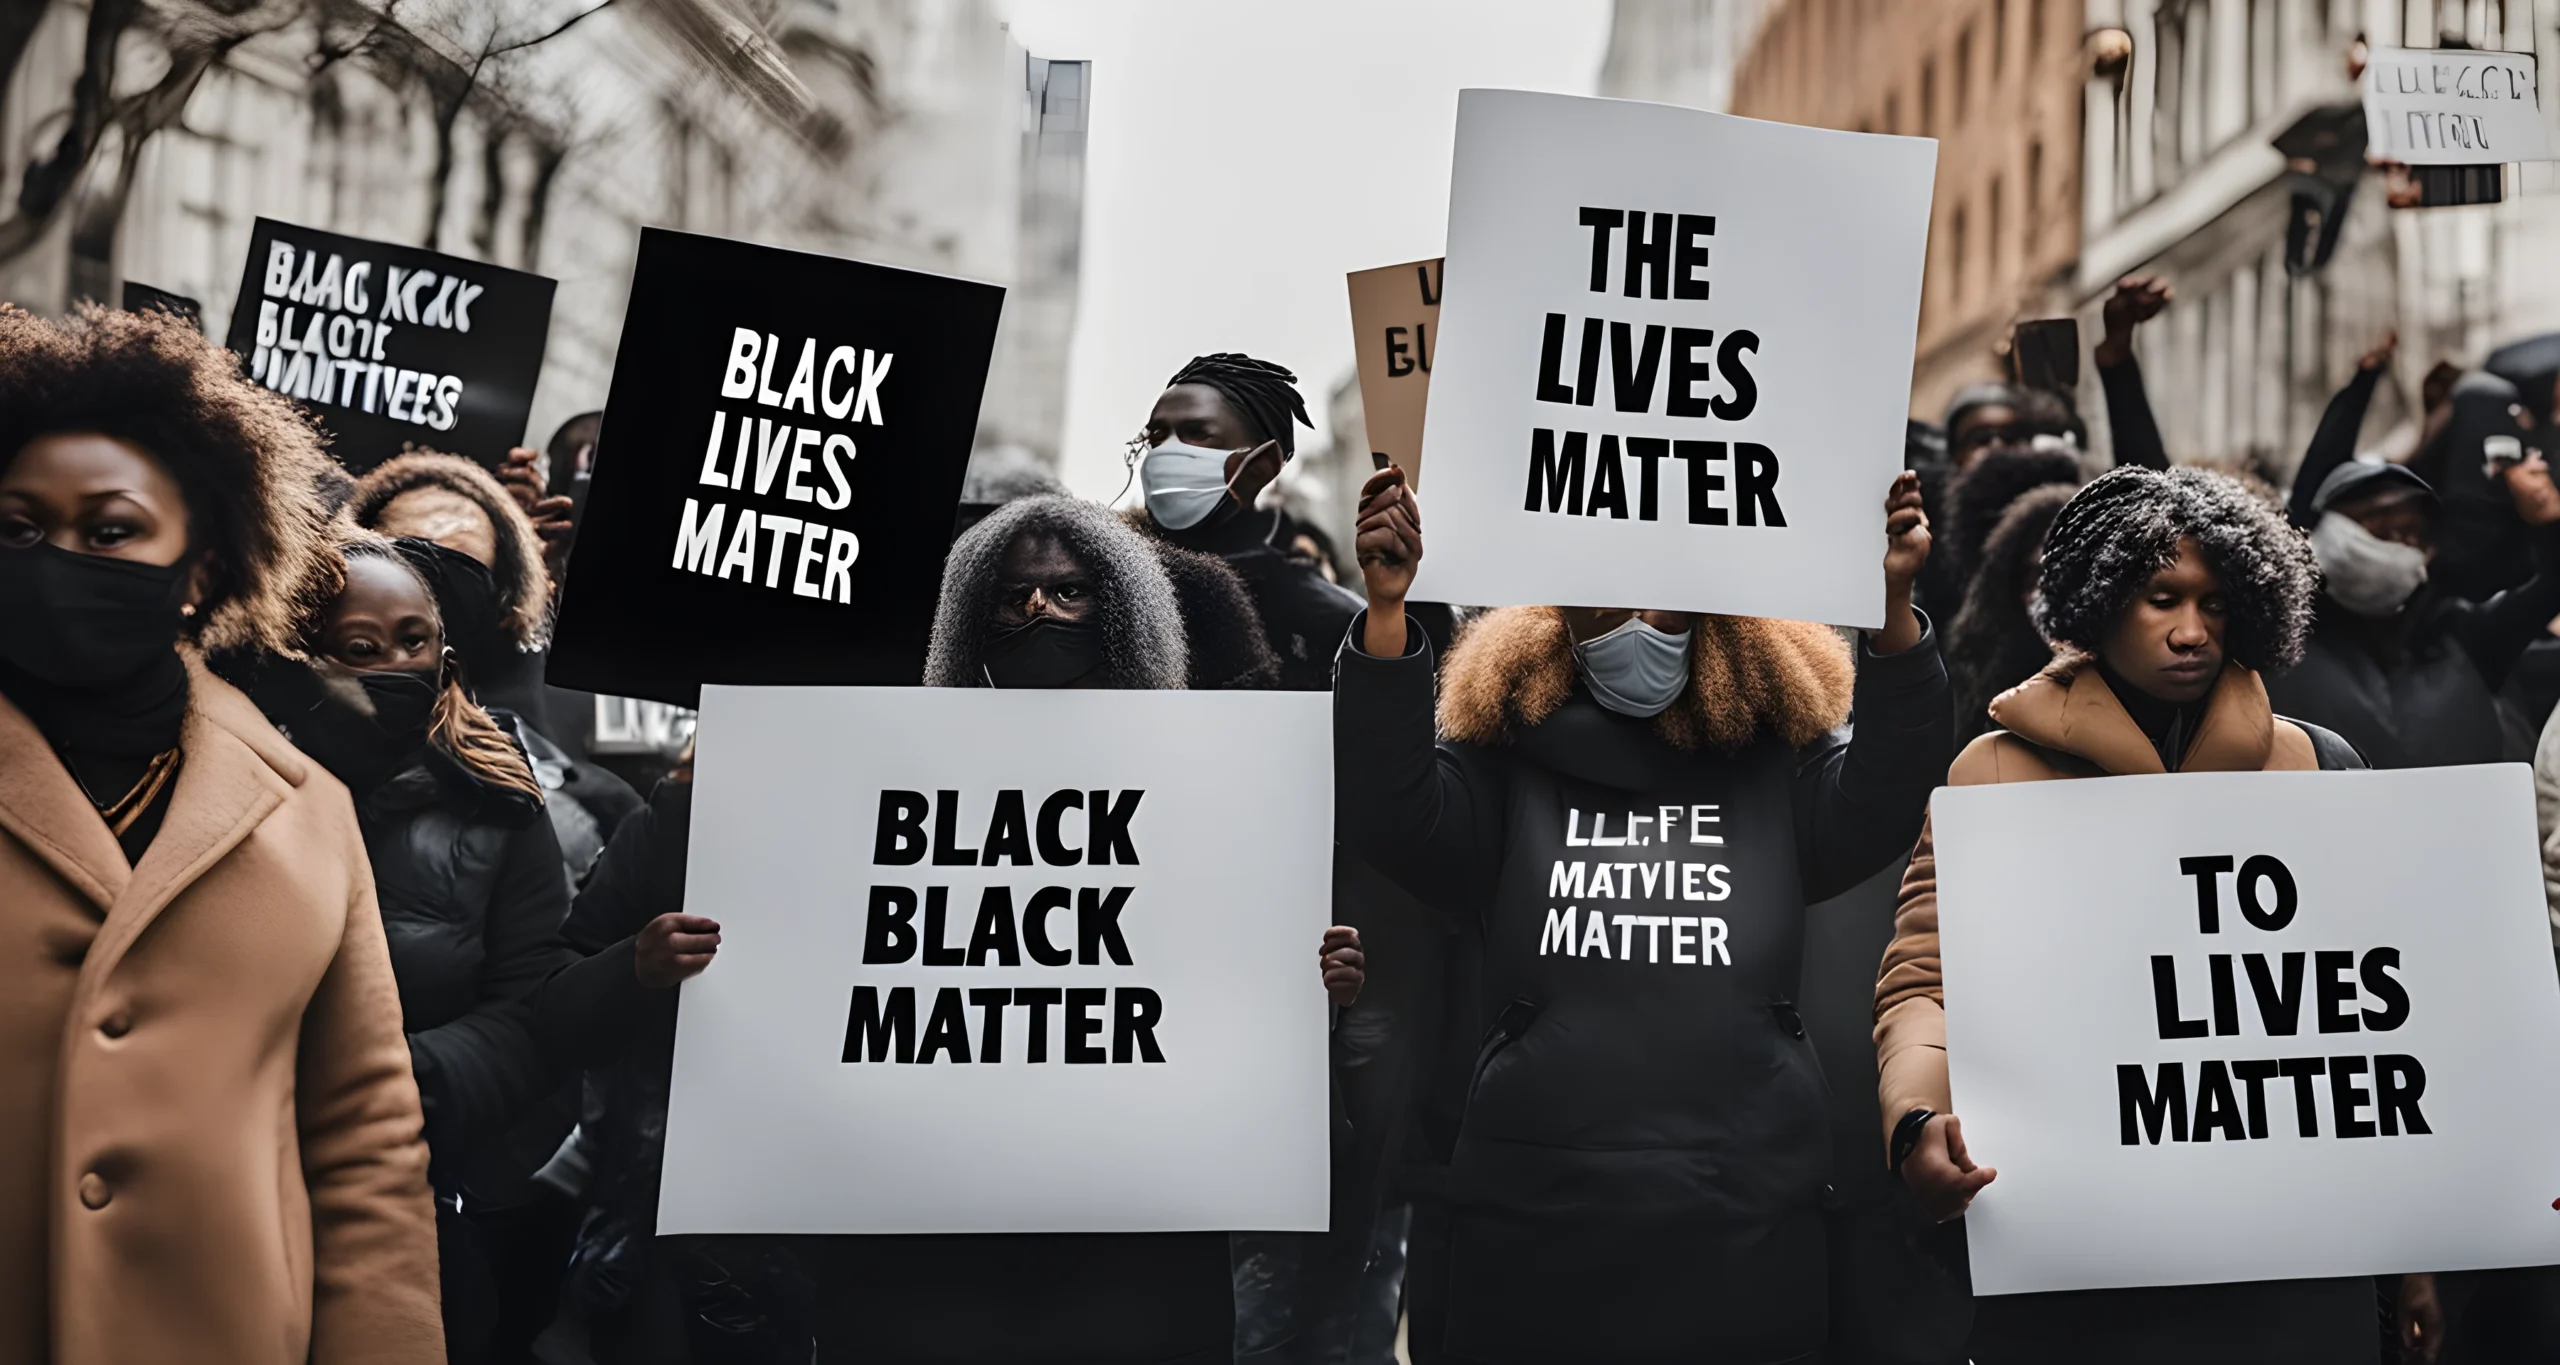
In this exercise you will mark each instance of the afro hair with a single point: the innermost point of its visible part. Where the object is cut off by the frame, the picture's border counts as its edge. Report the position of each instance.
(524, 585)
(1980, 495)
(248, 462)
(2127, 524)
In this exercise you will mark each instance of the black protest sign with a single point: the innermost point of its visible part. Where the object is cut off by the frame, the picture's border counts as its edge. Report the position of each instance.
(778, 473)
(392, 346)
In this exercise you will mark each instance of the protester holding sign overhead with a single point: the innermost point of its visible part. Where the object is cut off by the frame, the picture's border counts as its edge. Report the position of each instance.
(208, 1130)
(1638, 806)
(2172, 594)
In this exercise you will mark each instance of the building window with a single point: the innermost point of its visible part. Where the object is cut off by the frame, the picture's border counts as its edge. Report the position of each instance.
(1991, 231)
(1955, 257)
(2035, 29)
(1964, 77)
(1893, 113)
(1999, 37)
(2035, 197)
(1929, 98)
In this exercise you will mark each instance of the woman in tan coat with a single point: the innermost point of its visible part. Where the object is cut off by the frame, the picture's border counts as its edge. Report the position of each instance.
(2165, 595)
(209, 1137)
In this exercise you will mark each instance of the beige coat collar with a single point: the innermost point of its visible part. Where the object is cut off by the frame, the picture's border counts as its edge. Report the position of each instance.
(236, 770)
(2069, 708)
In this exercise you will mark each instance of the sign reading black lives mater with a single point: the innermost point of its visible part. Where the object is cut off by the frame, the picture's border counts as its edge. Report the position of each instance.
(778, 473)
(1674, 358)
(390, 345)
(1005, 961)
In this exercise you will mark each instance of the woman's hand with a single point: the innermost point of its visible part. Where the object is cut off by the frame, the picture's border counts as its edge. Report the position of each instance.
(1344, 972)
(2137, 300)
(1389, 546)
(673, 949)
(1941, 1173)
(1906, 549)
(2421, 1318)
(520, 476)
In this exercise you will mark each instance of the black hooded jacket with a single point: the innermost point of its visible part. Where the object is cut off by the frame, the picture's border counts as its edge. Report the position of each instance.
(1645, 1150)
(2420, 688)
(1303, 614)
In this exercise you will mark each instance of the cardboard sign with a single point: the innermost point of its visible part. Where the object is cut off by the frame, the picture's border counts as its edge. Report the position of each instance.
(2453, 107)
(2250, 1026)
(1395, 312)
(775, 484)
(1005, 962)
(1674, 361)
(392, 346)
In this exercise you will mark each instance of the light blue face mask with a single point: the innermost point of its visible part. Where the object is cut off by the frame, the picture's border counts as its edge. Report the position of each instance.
(1635, 670)
(1184, 484)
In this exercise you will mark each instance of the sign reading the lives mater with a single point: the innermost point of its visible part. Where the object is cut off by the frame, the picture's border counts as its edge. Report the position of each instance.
(1674, 359)
(778, 472)
(2209, 1027)
(1005, 961)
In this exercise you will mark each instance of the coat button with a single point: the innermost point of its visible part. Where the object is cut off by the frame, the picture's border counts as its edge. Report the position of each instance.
(93, 1191)
(116, 1025)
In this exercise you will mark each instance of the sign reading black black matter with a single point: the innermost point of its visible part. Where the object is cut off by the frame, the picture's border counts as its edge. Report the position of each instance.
(779, 469)
(392, 345)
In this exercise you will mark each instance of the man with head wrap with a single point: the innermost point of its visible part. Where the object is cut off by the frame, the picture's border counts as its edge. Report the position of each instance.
(1218, 436)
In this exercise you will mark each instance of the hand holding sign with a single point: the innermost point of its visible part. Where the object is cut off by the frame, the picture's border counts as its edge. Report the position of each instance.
(1906, 549)
(673, 949)
(1941, 1172)
(1344, 964)
(1389, 546)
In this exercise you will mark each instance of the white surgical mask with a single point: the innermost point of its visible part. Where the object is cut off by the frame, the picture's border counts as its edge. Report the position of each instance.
(1184, 484)
(1635, 670)
(2363, 572)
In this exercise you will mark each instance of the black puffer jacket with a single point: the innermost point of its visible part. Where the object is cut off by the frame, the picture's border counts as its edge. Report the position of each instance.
(472, 894)
(1645, 1151)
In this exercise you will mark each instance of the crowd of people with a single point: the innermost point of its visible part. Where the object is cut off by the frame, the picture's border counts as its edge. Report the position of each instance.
(343, 984)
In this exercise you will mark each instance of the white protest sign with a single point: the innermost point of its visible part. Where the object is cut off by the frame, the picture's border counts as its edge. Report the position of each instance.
(1005, 961)
(2453, 107)
(2213, 1027)
(1674, 359)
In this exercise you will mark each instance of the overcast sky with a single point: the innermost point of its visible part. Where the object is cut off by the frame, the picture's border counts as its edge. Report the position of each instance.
(1244, 156)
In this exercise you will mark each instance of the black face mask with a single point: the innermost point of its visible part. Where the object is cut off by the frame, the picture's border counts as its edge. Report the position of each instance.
(467, 598)
(362, 750)
(78, 620)
(1046, 652)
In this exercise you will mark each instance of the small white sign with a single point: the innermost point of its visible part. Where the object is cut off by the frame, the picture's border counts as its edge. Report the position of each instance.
(998, 961)
(1674, 359)
(2453, 107)
(2251, 1026)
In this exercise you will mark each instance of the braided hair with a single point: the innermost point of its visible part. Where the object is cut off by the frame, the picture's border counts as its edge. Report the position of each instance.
(1264, 394)
(2126, 525)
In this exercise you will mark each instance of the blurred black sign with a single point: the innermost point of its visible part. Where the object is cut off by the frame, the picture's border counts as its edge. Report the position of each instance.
(139, 297)
(779, 469)
(391, 345)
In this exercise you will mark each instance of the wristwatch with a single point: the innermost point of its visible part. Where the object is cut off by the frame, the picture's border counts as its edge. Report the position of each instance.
(1906, 1136)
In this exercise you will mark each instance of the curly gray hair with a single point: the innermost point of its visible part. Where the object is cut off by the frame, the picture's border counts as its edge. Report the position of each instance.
(1144, 645)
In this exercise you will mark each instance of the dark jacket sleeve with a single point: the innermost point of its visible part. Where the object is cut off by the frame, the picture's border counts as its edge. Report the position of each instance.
(2496, 632)
(1412, 807)
(1859, 800)
(589, 1010)
(2333, 443)
(478, 1073)
(2129, 422)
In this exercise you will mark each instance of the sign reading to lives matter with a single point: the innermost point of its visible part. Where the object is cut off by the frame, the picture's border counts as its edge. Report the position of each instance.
(2453, 107)
(2210, 1028)
(390, 345)
(1395, 312)
(1005, 961)
(1674, 359)
(778, 472)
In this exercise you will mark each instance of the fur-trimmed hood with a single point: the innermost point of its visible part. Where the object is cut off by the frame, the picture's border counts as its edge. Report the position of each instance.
(1511, 668)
